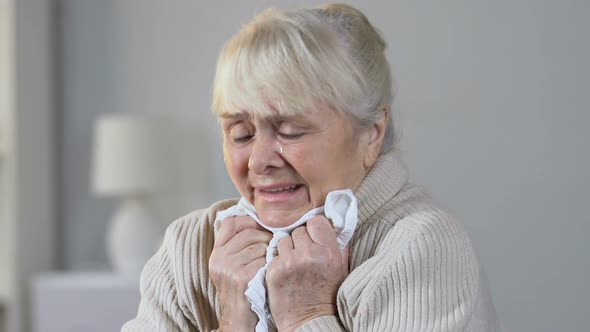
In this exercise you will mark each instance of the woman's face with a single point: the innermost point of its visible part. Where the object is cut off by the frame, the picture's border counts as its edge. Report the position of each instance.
(286, 165)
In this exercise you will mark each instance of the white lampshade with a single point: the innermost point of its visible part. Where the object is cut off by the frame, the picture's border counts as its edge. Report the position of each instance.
(130, 154)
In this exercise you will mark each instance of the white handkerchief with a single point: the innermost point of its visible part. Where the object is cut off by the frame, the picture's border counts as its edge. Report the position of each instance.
(340, 207)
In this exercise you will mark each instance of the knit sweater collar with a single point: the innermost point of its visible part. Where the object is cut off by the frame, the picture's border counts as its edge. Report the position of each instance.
(385, 180)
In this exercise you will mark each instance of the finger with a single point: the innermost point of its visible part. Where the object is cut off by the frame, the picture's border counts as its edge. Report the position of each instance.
(254, 266)
(322, 232)
(251, 253)
(246, 238)
(301, 238)
(285, 245)
(232, 226)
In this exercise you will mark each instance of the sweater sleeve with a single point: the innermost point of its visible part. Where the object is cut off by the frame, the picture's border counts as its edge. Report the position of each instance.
(159, 309)
(430, 285)
(429, 282)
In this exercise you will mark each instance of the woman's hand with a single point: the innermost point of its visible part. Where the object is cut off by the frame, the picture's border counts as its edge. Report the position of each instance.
(239, 252)
(304, 279)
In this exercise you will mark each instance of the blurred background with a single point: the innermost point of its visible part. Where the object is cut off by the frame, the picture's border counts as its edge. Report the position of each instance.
(492, 103)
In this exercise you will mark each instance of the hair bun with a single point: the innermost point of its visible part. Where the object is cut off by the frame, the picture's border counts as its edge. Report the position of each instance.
(355, 23)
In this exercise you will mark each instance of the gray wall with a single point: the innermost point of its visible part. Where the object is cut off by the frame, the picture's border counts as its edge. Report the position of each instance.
(492, 103)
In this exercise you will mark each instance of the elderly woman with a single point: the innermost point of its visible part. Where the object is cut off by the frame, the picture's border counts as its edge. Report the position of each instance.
(328, 235)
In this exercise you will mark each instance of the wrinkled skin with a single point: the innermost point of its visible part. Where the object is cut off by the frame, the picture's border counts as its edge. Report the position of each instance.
(238, 253)
(316, 152)
(311, 257)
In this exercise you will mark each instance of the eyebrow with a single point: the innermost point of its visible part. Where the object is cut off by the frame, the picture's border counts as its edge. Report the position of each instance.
(275, 118)
(281, 117)
(240, 115)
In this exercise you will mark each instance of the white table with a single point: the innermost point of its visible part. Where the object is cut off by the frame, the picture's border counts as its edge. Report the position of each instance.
(83, 301)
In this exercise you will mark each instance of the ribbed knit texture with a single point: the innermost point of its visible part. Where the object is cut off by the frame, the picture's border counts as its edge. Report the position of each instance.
(413, 268)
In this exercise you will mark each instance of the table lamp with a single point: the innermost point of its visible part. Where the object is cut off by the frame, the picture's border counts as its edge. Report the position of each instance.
(129, 163)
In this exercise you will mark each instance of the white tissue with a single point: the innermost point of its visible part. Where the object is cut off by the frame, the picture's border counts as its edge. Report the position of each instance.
(340, 208)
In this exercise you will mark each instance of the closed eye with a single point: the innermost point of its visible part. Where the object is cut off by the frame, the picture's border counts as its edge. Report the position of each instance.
(242, 139)
(289, 132)
(240, 132)
(291, 136)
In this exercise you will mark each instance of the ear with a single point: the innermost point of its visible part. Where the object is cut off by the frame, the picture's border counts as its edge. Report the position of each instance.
(376, 135)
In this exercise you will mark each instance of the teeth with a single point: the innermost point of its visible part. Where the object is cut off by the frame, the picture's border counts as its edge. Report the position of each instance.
(291, 188)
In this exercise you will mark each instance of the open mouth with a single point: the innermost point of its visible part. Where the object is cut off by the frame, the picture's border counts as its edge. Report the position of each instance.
(284, 189)
(282, 193)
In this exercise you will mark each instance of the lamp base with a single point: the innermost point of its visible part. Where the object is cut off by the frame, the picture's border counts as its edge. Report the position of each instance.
(133, 236)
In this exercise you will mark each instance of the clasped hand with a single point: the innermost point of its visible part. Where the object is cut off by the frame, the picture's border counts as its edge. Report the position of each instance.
(302, 281)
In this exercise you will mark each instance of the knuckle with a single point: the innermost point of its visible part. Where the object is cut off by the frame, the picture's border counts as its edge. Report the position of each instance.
(300, 230)
(259, 263)
(267, 236)
(284, 240)
(262, 236)
(273, 273)
(249, 232)
(318, 221)
(307, 261)
(252, 231)
(311, 259)
(239, 221)
(261, 248)
(317, 218)
(243, 219)
(229, 224)
(253, 250)
(245, 222)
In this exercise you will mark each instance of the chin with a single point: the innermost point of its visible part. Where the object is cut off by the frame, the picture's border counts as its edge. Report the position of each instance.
(278, 220)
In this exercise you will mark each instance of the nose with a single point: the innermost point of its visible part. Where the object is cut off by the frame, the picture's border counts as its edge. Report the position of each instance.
(265, 156)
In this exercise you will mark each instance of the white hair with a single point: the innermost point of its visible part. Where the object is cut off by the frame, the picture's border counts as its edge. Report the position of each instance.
(291, 61)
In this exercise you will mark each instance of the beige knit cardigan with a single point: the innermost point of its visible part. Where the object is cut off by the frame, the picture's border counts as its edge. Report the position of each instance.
(413, 268)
